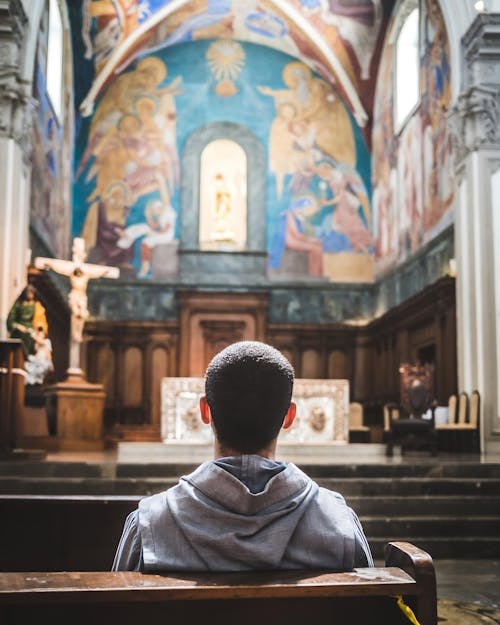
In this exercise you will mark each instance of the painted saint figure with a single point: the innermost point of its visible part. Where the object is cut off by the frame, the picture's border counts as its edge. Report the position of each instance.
(292, 233)
(158, 229)
(349, 196)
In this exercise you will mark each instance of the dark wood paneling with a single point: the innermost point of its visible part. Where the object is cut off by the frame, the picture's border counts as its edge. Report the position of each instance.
(130, 358)
(367, 355)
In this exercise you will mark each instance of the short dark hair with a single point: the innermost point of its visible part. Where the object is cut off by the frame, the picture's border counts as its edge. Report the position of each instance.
(248, 387)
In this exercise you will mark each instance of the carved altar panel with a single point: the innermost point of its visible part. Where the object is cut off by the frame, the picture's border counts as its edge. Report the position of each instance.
(322, 412)
(213, 320)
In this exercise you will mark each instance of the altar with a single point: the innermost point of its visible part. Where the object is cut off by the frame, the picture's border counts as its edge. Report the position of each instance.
(319, 434)
(322, 413)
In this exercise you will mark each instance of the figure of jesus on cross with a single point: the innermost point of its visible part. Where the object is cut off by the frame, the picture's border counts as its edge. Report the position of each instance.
(79, 273)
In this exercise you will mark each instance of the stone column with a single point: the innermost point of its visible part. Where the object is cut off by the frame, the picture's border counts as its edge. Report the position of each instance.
(16, 116)
(475, 120)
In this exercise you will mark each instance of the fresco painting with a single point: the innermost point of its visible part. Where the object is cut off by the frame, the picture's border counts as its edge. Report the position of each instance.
(384, 170)
(351, 32)
(354, 28)
(411, 230)
(437, 146)
(107, 23)
(127, 187)
(312, 154)
(131, 159)
(49, 215)
(412, 173)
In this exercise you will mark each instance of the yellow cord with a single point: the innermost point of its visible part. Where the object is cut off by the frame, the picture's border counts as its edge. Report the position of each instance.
(407, 611)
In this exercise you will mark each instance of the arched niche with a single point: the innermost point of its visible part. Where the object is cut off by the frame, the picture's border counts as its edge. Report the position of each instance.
(200, 265)
(223, 197)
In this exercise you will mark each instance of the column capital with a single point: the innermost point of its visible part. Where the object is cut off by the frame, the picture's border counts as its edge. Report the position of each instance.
(474, 121)
(17, 106)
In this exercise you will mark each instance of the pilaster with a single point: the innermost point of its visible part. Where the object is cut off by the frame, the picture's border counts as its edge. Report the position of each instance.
(16, 104)
(475, 125)
(16, 116)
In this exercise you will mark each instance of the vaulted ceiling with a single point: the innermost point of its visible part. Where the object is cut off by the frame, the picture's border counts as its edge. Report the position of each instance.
(339, 39)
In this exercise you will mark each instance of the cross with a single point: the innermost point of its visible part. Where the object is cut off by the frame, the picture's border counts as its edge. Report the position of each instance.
(79, 273)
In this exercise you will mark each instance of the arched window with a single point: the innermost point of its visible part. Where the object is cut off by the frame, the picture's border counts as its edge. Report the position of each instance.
(55, 51)
(223, 196)
(407, 84)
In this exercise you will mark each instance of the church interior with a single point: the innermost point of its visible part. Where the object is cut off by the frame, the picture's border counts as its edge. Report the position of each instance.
(319, 175)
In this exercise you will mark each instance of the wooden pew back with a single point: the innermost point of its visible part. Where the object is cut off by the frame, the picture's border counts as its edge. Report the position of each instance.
(361, 597)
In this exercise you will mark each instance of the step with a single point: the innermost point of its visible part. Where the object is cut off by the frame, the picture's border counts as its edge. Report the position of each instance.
(377, 487)
(431, 526)
(316, 471)
(180, 451)
(348, 487)
(449, 547)
(85, 486)
(425, 469)
(416, 505)
(55, 469)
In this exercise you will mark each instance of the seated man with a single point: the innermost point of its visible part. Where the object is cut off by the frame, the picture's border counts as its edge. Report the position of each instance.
(244, 510)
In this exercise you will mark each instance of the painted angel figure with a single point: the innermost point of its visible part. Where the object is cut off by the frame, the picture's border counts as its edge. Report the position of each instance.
(351, 215)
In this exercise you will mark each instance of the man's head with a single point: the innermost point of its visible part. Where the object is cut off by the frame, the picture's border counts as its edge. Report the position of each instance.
(248, 389)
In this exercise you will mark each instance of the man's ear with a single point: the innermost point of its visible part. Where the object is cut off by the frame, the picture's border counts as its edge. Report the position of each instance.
(205, 411)
(290, 416)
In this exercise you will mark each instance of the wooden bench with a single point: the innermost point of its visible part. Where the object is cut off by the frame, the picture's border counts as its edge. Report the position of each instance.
(361, 597)
(61, 532)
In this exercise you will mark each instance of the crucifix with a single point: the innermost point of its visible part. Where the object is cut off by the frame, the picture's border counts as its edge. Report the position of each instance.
(79, 273)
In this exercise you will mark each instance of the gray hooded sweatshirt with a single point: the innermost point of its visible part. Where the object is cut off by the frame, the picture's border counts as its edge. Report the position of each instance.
(243, 513)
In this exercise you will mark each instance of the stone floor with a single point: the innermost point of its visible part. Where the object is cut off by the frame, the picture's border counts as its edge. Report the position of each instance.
(469, 581)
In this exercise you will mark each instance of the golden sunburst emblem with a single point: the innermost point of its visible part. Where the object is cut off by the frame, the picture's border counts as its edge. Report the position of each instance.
(225, 59)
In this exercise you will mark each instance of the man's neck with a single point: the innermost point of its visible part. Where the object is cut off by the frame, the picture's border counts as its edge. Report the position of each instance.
(222, 451)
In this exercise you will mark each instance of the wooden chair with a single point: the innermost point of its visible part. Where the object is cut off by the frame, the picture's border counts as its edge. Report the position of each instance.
(413, 430)
(468, 428)
(445, 430)
(463, 407)
(461, 434)
(391, 413)
(357, 431)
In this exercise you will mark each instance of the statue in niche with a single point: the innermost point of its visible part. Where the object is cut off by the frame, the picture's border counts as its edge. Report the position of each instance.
(222, 210)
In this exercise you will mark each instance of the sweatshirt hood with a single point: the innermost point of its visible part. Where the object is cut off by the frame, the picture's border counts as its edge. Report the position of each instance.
(234, 511)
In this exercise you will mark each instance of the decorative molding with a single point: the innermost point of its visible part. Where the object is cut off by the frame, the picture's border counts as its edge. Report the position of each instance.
(17, 107)
(481, 52)
(474, 121)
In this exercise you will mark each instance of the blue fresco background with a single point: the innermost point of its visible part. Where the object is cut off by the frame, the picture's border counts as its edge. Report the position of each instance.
(198, 104)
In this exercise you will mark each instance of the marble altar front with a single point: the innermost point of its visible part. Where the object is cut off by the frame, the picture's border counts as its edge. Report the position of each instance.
(322, 413)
